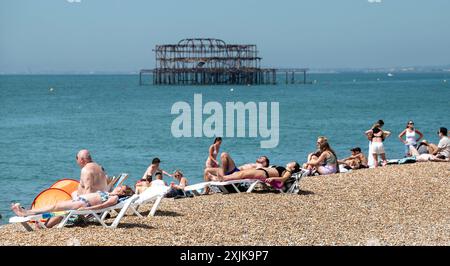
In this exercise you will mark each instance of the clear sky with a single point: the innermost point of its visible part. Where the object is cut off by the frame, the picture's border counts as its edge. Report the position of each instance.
(119, 35)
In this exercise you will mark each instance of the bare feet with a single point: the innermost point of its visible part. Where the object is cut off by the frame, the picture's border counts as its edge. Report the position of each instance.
(17, 209)
(214, 178)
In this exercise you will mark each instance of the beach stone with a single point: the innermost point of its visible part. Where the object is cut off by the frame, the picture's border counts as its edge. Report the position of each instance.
(392, 205)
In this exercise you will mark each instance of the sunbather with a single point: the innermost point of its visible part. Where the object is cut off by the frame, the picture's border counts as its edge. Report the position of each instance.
(326, 163)
(356, 161)
(142, 185)
(90, 201)
(274, 175)
(315, 154)
(426, 148)
(177, 190)
(441, 152)
(229, 167)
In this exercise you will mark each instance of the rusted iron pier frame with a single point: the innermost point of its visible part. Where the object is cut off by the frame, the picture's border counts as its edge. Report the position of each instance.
(213, 76)
(212, 62)
(209, 62)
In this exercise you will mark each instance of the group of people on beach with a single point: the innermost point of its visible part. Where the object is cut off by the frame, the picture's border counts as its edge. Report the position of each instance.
(94, 191)
(411, 138)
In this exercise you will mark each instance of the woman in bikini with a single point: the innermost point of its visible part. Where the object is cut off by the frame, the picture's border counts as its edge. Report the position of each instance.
(212, 162)
(274, 175)
(376, 136)
(90, 201)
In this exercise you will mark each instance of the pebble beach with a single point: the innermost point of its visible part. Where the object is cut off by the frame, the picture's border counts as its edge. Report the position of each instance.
(392, 205)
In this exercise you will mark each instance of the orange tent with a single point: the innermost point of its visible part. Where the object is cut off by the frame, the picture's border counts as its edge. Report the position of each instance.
(50, 196)
(61, 190)
(66, 184)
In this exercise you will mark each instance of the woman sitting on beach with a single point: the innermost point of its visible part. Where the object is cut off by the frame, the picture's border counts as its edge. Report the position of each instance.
(90, 201)
(274, 175)
(316, 154)
(212, 162)
(177, 190)
(410, 135)
(377, 136)
(326, 163)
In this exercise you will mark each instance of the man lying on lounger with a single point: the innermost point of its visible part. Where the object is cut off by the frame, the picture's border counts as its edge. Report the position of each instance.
(91, 201)
(228, 167)
(274, 175)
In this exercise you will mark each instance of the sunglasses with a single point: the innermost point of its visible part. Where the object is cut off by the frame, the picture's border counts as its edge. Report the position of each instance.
(411, 123)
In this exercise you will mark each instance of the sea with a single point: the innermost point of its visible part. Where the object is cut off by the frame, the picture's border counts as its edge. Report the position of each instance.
(46, 119)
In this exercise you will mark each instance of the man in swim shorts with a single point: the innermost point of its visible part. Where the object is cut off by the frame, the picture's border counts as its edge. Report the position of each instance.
(92, 179)
(228, 166)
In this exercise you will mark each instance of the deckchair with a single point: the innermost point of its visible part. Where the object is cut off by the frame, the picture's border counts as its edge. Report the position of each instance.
(194, 189)
(153, 193)
(293, 183)
(233, 184)
(221, 185)
(100, 215)
(117, 181)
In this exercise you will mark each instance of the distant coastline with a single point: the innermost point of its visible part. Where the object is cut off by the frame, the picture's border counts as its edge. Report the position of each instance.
(312, 70)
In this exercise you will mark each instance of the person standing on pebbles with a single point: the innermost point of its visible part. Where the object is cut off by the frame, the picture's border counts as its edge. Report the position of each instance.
(376, 137)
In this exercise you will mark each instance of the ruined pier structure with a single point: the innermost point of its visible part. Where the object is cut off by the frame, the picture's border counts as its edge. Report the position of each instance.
(208, 62)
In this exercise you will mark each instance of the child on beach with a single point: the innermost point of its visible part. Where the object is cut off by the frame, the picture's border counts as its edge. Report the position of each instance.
(90, 201)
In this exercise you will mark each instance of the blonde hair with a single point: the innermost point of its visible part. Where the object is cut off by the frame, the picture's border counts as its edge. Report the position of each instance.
(178, 172)
(322, 139)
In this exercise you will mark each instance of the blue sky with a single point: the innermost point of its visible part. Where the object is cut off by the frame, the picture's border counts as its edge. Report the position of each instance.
(119, 35)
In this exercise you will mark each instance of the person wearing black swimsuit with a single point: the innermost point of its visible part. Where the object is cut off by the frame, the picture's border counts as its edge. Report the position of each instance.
(274, 173)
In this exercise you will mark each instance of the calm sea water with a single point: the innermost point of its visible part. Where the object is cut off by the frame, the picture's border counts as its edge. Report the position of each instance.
(125, 125)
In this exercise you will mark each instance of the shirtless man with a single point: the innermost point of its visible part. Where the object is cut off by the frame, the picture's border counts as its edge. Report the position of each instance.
(229, 166)
(356, 161)
(92, 179)
(147, 178)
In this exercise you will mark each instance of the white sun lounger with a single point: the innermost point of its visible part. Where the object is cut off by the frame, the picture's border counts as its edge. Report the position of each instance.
(220, 185)
(234, 184)
(152, 194)
(117, 181)
(194, 189)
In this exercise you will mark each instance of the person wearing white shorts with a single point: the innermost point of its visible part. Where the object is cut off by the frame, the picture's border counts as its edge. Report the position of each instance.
(377, 148)
(377, 137)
